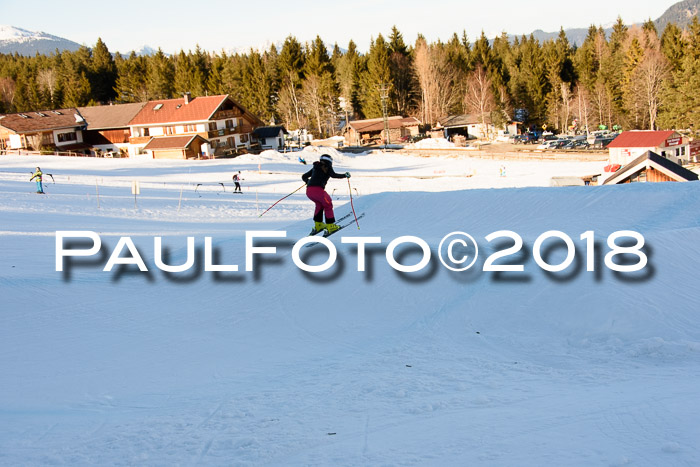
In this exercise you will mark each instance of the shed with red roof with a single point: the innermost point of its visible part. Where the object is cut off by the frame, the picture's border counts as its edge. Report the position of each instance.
(629, 145)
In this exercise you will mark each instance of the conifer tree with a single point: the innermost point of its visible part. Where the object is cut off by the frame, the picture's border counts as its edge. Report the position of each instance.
(200, 62)
(634, 56)
(680, 91)
(319, 90)
(257, 87)
(376, 79)
(291, 66)
(160, 76)
(78, 92)
(131, 80)
(347, 67)
(673, 45)
(401, 66)
(184, 73)
(103, 73)
(215, 79)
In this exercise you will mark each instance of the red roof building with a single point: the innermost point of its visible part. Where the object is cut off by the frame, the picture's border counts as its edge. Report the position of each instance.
(221, 121)
(629, 145)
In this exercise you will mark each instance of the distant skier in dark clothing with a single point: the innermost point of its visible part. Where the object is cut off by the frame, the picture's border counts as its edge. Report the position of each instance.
(237, 180)
(38, 176)
(316, 180)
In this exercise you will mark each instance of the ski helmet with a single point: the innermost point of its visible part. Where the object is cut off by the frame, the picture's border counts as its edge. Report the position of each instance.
(326, 158)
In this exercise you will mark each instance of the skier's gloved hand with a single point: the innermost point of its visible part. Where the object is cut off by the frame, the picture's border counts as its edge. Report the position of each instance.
(347, 174)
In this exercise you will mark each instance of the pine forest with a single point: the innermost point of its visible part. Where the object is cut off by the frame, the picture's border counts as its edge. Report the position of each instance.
(634, 78)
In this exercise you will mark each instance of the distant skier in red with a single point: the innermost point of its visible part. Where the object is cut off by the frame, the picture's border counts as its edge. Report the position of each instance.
(316, 180)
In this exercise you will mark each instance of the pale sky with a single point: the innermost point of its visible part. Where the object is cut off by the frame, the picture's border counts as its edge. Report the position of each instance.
(215, 25)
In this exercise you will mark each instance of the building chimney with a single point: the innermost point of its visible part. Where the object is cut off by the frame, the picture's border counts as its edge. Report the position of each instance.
(188, 98)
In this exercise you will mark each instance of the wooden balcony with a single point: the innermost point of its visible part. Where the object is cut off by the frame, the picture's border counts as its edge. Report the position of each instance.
(139, 139)
(224, 114)
(223, 132)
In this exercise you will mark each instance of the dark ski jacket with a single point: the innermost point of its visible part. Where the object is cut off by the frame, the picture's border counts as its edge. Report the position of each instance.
(319, 175)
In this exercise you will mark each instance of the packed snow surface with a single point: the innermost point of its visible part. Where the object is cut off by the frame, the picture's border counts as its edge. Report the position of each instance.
(278, 366)
(432, 143)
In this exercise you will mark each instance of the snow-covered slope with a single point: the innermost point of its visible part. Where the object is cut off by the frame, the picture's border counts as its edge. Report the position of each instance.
(282, 367)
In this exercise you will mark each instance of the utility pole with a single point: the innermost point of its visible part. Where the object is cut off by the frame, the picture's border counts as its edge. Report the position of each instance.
(384, 95)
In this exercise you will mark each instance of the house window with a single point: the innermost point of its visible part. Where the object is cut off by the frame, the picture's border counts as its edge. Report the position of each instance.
(683, 151)
(146, 132)
(212, 126)
(190, 128)
(229, 124)
(262, 141)
(66, 137)
(169, 130)
(244, 138)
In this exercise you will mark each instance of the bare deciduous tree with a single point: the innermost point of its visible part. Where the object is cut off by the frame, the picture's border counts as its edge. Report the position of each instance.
(424, 72)
(7, 91)
(582, 106)
(478, 98)
(437, 79)
(650, 77)
(312, 97)
(566, 99)
(46, 80)
(289, 104)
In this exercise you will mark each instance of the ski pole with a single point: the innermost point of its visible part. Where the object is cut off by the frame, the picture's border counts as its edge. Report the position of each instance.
(290, 194)
(352, 206)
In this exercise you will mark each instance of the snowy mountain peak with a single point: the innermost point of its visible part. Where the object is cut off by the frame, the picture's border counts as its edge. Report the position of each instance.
(25, 42)
(14, 34)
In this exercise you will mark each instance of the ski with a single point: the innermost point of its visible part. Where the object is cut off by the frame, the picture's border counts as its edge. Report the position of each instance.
(342, 218)
(342, 226)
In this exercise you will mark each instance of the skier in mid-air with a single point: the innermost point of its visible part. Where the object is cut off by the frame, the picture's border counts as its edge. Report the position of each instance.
(316, 180)
(38, 176)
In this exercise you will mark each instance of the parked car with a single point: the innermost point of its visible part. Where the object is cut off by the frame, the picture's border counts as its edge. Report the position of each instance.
(601, 143)
(527, 138)
(550, 144)
(548, 137)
